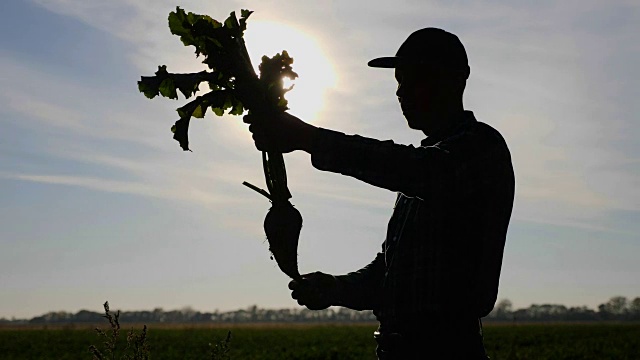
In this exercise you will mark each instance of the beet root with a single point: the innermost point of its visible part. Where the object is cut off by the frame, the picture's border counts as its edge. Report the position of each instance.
(282, 226)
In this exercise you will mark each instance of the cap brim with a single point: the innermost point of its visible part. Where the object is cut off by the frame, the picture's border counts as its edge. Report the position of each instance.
(384, 62)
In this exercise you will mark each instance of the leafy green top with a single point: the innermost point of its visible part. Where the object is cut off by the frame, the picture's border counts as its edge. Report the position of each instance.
(232, 80)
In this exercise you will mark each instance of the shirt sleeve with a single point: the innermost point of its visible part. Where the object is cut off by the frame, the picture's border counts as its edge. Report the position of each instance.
(424, 172)
(359, 289)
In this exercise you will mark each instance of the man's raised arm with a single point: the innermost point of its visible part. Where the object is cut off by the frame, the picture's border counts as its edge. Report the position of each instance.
(423, 172)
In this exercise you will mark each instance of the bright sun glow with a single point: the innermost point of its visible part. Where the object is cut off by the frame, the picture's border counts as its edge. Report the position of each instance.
(315, 71)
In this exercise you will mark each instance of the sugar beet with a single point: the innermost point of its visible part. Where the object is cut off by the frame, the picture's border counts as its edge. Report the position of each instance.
(282, 226)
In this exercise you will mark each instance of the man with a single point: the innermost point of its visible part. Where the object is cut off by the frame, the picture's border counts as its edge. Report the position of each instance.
(437, 273)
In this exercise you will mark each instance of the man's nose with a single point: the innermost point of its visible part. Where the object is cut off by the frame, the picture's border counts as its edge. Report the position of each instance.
(400, 92)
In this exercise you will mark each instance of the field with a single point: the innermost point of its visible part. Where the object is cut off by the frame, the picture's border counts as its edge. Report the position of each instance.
(520, 341)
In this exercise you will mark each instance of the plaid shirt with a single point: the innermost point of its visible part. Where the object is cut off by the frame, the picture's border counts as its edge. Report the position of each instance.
(445, 240)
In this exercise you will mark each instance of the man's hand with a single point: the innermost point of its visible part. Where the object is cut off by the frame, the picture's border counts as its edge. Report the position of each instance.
(280, 132)
(316, 291)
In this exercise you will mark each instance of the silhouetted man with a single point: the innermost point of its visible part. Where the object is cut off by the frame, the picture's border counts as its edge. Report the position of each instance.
(437, 273)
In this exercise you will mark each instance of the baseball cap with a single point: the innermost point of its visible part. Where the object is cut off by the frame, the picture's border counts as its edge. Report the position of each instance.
(428, 46)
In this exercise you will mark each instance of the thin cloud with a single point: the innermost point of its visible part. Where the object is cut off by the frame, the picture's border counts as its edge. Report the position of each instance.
(123, 187)
(50, 114)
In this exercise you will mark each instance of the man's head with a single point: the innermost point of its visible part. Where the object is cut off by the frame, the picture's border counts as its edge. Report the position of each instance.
(431, 68)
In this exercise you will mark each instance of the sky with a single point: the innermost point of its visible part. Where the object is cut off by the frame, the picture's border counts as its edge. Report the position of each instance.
(97, 202)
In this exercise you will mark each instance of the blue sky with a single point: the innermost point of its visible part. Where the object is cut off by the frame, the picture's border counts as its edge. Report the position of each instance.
(99, 203)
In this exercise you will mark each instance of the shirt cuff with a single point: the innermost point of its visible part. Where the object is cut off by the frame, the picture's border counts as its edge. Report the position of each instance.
(325, 149)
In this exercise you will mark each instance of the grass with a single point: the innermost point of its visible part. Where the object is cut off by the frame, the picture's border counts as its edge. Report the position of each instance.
(563, 341)
(299, 341)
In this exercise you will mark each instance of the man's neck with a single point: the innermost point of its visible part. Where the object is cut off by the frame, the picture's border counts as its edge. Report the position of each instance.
(446, 120)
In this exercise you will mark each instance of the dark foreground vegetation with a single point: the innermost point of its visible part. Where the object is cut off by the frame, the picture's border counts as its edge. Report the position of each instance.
(324, 341)
(537, 332)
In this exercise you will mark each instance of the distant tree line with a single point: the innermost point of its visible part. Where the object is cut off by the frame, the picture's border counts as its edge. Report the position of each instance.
(252, 314)
(618, 308)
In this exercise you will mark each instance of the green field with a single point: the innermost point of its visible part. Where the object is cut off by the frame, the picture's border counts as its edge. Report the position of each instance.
(541, 341)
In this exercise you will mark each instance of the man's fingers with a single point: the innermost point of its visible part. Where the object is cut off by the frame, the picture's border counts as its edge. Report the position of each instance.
(261, 146)
(304, 292)
(254, 119)
(309, 291)
(248, 119)
(257, 129)
(293, 284)
(260, 140)
(299, 284)
(261, 137)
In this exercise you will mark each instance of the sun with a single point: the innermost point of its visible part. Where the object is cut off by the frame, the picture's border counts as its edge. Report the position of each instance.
(316, 73)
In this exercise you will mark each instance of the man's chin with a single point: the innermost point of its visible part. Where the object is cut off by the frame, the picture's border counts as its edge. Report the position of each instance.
(414, 126)
(414, 121)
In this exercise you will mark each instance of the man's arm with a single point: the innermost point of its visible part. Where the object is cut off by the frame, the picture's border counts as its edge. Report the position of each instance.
(358, 290)
(448, 167)
(424, 172)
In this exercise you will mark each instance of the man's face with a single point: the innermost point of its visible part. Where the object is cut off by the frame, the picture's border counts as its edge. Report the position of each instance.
(423, 94)
(414, 95)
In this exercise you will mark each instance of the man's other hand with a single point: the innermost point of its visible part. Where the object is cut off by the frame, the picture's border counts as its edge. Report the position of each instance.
(316, 291)
(281, 132)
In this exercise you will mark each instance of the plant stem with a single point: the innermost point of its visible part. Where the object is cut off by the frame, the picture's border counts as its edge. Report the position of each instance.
(258, 190)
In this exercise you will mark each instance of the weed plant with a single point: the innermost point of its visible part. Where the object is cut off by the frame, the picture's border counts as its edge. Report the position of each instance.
(136, 346)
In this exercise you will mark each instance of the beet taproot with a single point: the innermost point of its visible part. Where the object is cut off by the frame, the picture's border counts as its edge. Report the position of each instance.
(282, 226)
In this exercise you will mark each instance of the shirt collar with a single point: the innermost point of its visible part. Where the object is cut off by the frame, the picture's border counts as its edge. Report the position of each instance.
(430, 140)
